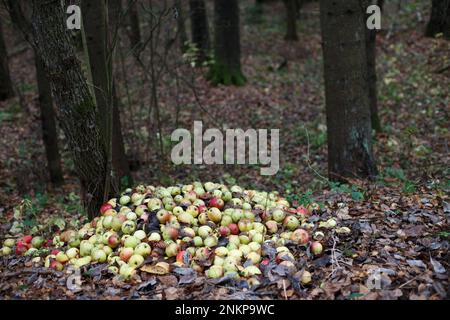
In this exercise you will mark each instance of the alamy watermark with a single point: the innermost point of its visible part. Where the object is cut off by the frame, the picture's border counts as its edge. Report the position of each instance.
(373, 20)
(227, 148)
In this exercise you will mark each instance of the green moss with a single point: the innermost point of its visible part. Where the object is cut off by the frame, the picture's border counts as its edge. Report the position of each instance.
(86, 107)
(221, 74)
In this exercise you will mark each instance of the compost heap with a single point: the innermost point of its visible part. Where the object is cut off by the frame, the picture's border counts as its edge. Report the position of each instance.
(225, 233)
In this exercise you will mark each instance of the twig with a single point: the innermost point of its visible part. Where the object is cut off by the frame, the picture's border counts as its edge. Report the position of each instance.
(284, 290)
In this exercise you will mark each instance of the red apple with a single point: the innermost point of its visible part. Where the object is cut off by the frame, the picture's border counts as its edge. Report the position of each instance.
(54, 252)
(265, 262)
(21, 247)
(300, 236)
(171, 233)
(104, 207)
(163, 216)
(48, 243)
(202, 208)
(56, 265)
(27, 239)
(126, 253)
(183, 256)
(113, 241)
(217, 203)
(302, 211)
(234, 229)
(272, 226)
(224, 231)
(316, 248)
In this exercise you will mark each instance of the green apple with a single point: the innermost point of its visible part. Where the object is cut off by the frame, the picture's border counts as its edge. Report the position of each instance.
(251, 271)
(86, 248)
(244, 239)
(154, 236)
(128, 227)
(136, 260)
(131, 242)
(214, 214)
(291, 222)
(230, 264)
(215, 272)
(221, 251)
(204, 231)
(72, 253)
(198, 241)
(126, 272)
(254, 257)
(98, 255)
(172, 250)
(9, 243)
(140, 234)
(37, 242)
(62, 257)
(5, 251)
(124, 200)
(143, 249)
(278, 215)
(210, 241)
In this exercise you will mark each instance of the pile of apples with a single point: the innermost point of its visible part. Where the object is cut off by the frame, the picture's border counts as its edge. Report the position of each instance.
(211, 228)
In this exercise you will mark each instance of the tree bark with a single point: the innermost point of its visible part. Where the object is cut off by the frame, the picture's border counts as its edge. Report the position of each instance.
(100, 55)
(6, 88)
(71, 94)
(440, 19)
(182, 34)
(371, 37)
(49, 130)
(199, 28)
(227, 49)
(291, 20)
(134, 25)
(47, 112)
(347, 97)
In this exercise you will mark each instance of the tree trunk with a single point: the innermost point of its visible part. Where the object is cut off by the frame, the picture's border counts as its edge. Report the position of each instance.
(199, 28)
(71, 94)
(49, 130)
(182, 34)
(291, 20)
(371, 36)
(100, 61)
(346, 91)
(114, 14)
(134, 25)
(439, 19)
(48, 117)
(6, 88)
(227, 49)
(119, 159)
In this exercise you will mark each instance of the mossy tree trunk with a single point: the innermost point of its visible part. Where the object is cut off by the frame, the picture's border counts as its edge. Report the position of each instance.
(77, 112)
(45, 101)
(440, 19)
(291, 20)
(199, 28)
(347, 96)
(6, 88)
(226, 68)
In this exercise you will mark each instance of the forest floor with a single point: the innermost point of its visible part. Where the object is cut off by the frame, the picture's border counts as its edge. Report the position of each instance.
(400, 222)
